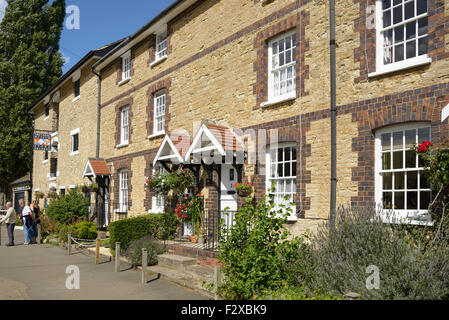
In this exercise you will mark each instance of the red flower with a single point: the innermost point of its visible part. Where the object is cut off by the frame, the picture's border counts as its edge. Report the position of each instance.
(181, 180)
(424, 147)
(184, 216)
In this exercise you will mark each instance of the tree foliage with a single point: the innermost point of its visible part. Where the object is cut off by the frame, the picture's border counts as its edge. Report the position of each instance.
(30, 62)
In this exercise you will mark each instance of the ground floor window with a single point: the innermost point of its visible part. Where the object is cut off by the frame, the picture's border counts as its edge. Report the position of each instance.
(123, 195)
(158, 201)
(281, 173)
(402, 191)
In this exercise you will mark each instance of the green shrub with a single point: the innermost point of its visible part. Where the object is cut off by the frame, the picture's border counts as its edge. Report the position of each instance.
(134, 252)
(296, 293)
(84, 230)
(160, 226)
(340, 255)
(19, 222)
(68, 208)
(252, 250)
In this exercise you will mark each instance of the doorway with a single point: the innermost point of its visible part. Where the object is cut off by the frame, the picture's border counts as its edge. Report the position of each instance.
(228, 199)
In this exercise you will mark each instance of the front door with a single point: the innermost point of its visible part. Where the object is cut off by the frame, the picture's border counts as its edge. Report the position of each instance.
(228, 204)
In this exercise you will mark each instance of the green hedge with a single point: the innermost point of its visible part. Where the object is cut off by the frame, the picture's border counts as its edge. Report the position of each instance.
(160, 226)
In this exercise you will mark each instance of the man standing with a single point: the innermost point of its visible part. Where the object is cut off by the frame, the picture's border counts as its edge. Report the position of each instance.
(10, 220)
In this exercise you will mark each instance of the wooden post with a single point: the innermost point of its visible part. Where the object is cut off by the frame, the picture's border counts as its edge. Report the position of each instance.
(69, 243)
(144, 265)
(117, 257)
(217, 281)
(97, 252)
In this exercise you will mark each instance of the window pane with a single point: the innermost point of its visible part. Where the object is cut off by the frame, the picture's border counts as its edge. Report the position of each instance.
(399, 53)
(410, 138)
(424, 183)
(399, 34)
(412, 200)
(422, 46)
(386, 142)
(397, 14)
(409, 10)
(387, 18)
(422, 26)
(280, 155)
(387, 181)
(275, 47)
(287, 171)
(411, 30)
(411, 49)
(399, 181)
(399, 200)
(412, 180)
(421, 6)
(388, 200)
(395, 2)
(410, 159)
(423, 135)
(386, 4)
(287, 154)
(425, 200)
(398, 160)
(294, 169)
(280, 170)
(386, 161)
(398, 142)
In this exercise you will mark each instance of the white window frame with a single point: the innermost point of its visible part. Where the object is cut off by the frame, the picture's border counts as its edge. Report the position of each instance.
(414, 217)
(161, 47)
(126, 67)
(157, 201)
(269, 179)
(124, 126)
(272, 98)
(382, 68)
(160, 102)
(123, 191)
(73, 133)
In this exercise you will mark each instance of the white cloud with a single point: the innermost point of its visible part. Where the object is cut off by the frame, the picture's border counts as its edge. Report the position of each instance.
(65, 58)
(3, 5)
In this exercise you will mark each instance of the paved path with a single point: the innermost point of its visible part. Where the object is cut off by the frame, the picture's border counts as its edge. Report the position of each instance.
(39, 272)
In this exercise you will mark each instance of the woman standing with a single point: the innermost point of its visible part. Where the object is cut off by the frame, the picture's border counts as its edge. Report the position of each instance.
(36, 220)
(27, 218)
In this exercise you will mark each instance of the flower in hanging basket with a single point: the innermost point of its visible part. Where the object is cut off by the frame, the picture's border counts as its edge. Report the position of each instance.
(244, 189)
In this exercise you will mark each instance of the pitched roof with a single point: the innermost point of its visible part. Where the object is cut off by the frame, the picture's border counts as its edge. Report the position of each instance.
(25, 179)
(96, 167)
(181, 143)
(226, 137)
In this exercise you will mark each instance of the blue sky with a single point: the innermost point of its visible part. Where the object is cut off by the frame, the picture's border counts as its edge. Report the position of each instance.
(103, 22)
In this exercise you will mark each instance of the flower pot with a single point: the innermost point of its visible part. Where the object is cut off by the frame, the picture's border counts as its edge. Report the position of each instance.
(244, 193)
(201, 240)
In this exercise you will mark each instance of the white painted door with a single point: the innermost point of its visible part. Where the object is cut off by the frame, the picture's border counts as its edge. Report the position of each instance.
(228, 204)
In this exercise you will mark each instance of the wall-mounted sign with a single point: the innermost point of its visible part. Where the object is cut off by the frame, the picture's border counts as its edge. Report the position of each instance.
(42, 142)
(19, 189)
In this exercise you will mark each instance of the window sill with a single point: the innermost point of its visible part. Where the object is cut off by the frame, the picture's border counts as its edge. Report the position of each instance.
(416, 62)
(120, 211)
(76, 99)
(156, 62)
(122, 145)
(157, 135)
(46, 118)
(52, 179)
(124, 81)
(74, 153)
(277, 101)
(155, 211)
(45, 162)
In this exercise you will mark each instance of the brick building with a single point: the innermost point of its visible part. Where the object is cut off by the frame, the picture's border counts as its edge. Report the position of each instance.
(199, 71)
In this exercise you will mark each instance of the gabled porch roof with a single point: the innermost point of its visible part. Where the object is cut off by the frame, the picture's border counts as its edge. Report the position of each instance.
(211, 137)
(96, 167)
(174, 147)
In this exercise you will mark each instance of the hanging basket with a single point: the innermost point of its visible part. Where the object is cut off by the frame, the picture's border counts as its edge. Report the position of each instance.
(244, 193)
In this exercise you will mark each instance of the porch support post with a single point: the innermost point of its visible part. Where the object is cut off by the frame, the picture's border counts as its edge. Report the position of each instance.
(239, 168)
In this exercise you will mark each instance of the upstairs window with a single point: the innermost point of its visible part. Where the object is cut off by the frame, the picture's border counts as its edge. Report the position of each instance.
(402, 33)
(159, 113)
(46, 155)
(77, 88)
(402, 191)
(282, 67)
(47, 110)
(75, 141)
(126, 66)
(161, 46)
(124, 126)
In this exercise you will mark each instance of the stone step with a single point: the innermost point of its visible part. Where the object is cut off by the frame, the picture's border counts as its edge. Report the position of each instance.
(185, 279)
(176, 262)
(201, 272)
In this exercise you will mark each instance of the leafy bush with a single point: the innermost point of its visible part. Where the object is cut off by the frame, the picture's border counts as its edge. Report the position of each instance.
(340, 255)
(66, 209)
(84, 230)
(252, 251)
(134, 252)
(296, 293)
(47, 226)
(160, 226)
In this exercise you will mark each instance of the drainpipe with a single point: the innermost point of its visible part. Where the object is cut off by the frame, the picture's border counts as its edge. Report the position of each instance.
(98, 112)
(333, 84)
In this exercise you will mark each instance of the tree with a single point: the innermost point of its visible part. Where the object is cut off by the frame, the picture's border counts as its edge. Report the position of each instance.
(30, 62)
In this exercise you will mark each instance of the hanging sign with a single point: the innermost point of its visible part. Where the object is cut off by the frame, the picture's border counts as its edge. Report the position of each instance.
(42, 142)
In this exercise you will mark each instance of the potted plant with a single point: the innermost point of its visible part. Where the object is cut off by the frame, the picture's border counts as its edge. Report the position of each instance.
(85, 187)
(95, 187)
(244, 189)
(52, 195)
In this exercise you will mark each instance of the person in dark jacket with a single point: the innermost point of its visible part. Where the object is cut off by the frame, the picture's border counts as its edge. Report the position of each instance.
(36, 220)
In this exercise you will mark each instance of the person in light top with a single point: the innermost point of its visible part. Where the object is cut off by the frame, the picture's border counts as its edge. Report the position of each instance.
(27, 219)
